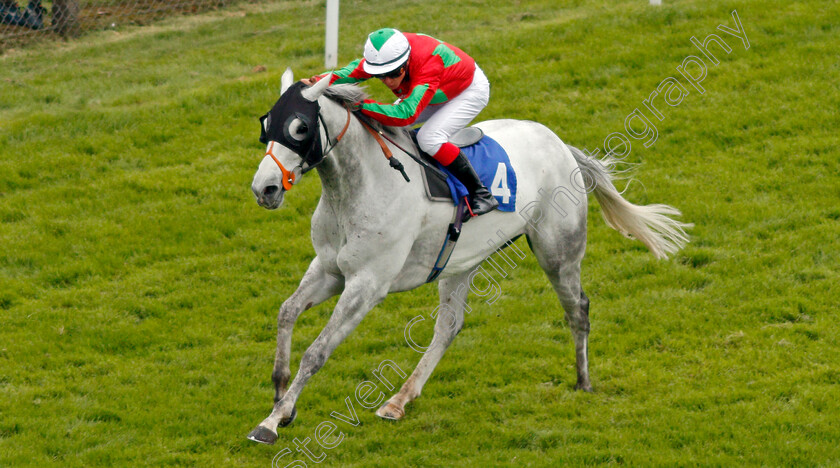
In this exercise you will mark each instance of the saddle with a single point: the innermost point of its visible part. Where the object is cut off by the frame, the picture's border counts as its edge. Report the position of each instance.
(434, 180)
(443, 188)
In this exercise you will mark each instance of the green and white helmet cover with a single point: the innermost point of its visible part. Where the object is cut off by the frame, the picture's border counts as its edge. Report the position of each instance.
(385, 51)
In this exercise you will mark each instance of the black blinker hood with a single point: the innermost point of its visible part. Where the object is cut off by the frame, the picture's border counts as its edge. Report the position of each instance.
(306, 139)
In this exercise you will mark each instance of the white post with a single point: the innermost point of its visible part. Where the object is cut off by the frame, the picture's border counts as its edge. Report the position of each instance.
(656, 2)
(331, 50)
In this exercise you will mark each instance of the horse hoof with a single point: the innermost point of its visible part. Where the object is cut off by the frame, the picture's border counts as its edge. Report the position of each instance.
(290, 419)
(586, 388)
(390, 411)
(263, 435)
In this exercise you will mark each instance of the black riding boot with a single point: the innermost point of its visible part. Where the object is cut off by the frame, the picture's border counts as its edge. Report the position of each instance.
(481, 200)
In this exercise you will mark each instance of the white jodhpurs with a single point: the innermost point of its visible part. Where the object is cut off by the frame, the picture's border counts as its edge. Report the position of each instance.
(442, 121)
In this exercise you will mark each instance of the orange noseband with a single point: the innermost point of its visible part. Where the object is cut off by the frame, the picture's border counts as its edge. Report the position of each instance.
(288, 177)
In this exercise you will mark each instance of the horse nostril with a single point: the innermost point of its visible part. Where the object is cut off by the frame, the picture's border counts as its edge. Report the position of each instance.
(270, 190)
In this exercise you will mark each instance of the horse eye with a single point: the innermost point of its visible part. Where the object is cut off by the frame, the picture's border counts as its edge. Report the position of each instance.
(298, 129)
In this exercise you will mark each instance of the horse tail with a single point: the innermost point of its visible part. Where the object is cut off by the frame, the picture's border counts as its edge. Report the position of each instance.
(650, 224)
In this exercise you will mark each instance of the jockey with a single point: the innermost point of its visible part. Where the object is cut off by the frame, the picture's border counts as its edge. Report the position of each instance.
(435, 83)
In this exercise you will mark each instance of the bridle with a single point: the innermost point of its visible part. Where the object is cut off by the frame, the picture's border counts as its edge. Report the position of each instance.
(297, 126)
(289, 176)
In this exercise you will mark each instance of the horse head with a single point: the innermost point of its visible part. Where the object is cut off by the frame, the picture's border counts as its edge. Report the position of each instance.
(294, 135)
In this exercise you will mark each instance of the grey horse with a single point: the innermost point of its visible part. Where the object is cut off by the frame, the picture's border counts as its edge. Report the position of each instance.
(375, 234)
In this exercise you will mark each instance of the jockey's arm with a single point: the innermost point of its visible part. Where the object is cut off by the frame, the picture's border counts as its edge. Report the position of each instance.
(404, 111)
(351, 73)
(425, 82)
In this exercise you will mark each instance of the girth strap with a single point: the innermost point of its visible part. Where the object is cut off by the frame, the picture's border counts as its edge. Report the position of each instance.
(452, 235)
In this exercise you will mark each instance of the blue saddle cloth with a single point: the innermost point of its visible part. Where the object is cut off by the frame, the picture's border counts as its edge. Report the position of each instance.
(492, 164)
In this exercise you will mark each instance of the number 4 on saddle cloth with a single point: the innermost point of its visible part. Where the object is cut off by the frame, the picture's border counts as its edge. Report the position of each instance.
(490, 162)
(492, 165)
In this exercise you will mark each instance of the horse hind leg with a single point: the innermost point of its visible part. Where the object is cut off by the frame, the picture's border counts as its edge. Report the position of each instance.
(449, 320)
(579, 323)
(575, 304)
(576, 307)
(560, 258)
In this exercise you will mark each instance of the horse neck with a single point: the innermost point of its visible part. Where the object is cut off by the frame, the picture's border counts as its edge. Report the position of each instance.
(356, 168)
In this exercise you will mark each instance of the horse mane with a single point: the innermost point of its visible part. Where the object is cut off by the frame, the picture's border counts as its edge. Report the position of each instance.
(347, 94)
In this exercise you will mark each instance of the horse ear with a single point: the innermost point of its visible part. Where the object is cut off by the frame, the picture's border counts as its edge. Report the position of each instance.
(286, 80)
(315, 91)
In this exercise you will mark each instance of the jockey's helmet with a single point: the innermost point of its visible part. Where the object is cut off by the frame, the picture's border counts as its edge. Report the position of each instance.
(385, 51)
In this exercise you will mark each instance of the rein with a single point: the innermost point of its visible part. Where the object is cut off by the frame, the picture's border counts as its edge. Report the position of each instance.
(378, 134)
(392, 161)
(289, 177)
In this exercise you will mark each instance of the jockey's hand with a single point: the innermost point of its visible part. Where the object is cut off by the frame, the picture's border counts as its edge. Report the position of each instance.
(356, 106)
(311, 80)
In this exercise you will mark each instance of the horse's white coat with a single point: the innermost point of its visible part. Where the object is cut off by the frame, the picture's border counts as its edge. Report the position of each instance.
(373, 234)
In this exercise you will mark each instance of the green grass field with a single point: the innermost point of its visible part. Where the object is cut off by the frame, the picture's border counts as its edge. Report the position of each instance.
(139, 280)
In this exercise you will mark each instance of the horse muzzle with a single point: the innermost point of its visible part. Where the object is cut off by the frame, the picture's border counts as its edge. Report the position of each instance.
(270, 196)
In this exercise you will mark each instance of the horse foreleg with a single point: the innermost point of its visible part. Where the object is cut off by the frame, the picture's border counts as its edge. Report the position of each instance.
(360, 295)
(315, 287)
(450, 318)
